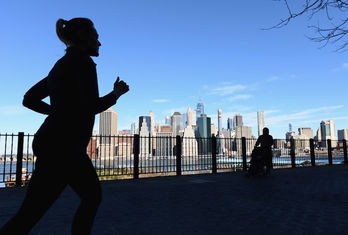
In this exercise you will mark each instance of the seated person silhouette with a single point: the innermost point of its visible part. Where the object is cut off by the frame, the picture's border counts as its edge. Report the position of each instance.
(266, 142)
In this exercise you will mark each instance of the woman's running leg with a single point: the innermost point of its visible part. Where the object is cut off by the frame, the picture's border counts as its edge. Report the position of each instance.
(84, 181)
(44, 187)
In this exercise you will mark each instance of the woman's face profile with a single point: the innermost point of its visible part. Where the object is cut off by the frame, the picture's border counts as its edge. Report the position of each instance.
(92, 43)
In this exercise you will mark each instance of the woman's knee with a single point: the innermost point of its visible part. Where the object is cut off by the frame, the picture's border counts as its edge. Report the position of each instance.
(94, 198)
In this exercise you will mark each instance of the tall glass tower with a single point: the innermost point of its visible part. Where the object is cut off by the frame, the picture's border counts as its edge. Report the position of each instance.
(200, 109)
(229, 124)
(260, 122)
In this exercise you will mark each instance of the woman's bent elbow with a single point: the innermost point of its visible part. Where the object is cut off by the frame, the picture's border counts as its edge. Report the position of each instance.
(26, 101)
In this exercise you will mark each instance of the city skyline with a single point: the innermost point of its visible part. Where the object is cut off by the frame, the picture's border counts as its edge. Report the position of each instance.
(225, 60)
(304, 132)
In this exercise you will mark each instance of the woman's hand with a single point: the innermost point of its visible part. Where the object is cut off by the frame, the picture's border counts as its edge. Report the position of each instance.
(120, 87)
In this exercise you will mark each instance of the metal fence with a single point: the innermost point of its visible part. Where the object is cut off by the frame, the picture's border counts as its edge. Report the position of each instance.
(134, 156)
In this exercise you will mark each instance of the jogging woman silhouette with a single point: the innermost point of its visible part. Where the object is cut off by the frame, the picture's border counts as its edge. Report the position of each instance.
(61, 142)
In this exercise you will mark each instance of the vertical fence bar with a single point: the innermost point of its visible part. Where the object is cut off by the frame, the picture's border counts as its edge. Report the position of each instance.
(213, 151)
(329, 151)
(136, 157)
(311, 146)
(292, 153)
(19, 159)
(178, 155)
(345, 151)
(244, 154)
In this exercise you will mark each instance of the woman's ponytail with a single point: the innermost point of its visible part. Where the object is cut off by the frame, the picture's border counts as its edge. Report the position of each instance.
(61, 31)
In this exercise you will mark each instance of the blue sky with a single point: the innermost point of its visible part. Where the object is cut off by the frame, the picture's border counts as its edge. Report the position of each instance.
(172, 53)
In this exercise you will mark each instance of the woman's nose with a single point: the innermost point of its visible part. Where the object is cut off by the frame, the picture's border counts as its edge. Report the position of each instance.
(99, 44)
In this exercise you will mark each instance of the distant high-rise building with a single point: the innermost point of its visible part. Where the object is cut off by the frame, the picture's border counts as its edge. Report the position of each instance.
(327, 131)
(342, 134)
(204, 126)
(157, 127)
(165, 141)
(203, 132)
(219, 122)
(305, 132)
(260, 122)
(290, 127)
(290, 135)
(107, 125)
(237, 121)
(152, 117)
(189, 143)
(244, 131)
(147, 121)
(200, 109)
(318, 136)
(229, 124)
(191, 117)
(133, 128)
(145, 142)
(177, 123)
(213, 129)
(166, 129)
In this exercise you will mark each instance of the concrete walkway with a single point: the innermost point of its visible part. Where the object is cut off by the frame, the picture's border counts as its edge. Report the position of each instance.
(291, 201)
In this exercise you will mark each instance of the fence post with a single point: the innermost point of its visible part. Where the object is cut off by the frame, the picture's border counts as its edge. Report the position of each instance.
(136, 145)
(345, 151)
(311, 146)
(292, 153)
(329, 151)
(214, 168)
(19, 159)
(178, 155)
(244, 154)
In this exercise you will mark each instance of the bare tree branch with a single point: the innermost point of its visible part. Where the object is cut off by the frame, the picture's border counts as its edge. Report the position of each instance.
(334, 33)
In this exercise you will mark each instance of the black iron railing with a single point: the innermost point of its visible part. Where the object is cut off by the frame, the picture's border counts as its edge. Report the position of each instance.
(134, 156)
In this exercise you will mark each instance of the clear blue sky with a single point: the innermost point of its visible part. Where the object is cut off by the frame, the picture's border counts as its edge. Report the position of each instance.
(173, 52)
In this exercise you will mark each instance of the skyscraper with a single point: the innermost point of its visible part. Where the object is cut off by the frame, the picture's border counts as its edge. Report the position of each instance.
(237, 121)
(189, 143)
(243, 131)
(204, 126)
(200, 109)
(342, 134)
(148, 123)
(219, 122)
(152, 126)
(305, 132)
(229, 124)
(107, 129)
(107, 125)
(177, 123)
(327, 131)
(260, 122)
(133, 128)
(203, 132)
(191, 117)
(145, 142)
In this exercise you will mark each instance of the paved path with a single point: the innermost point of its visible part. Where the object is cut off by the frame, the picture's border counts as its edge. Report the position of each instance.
(291, 201)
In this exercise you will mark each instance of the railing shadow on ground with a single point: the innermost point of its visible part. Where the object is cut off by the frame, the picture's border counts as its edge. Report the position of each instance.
(134, 156)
